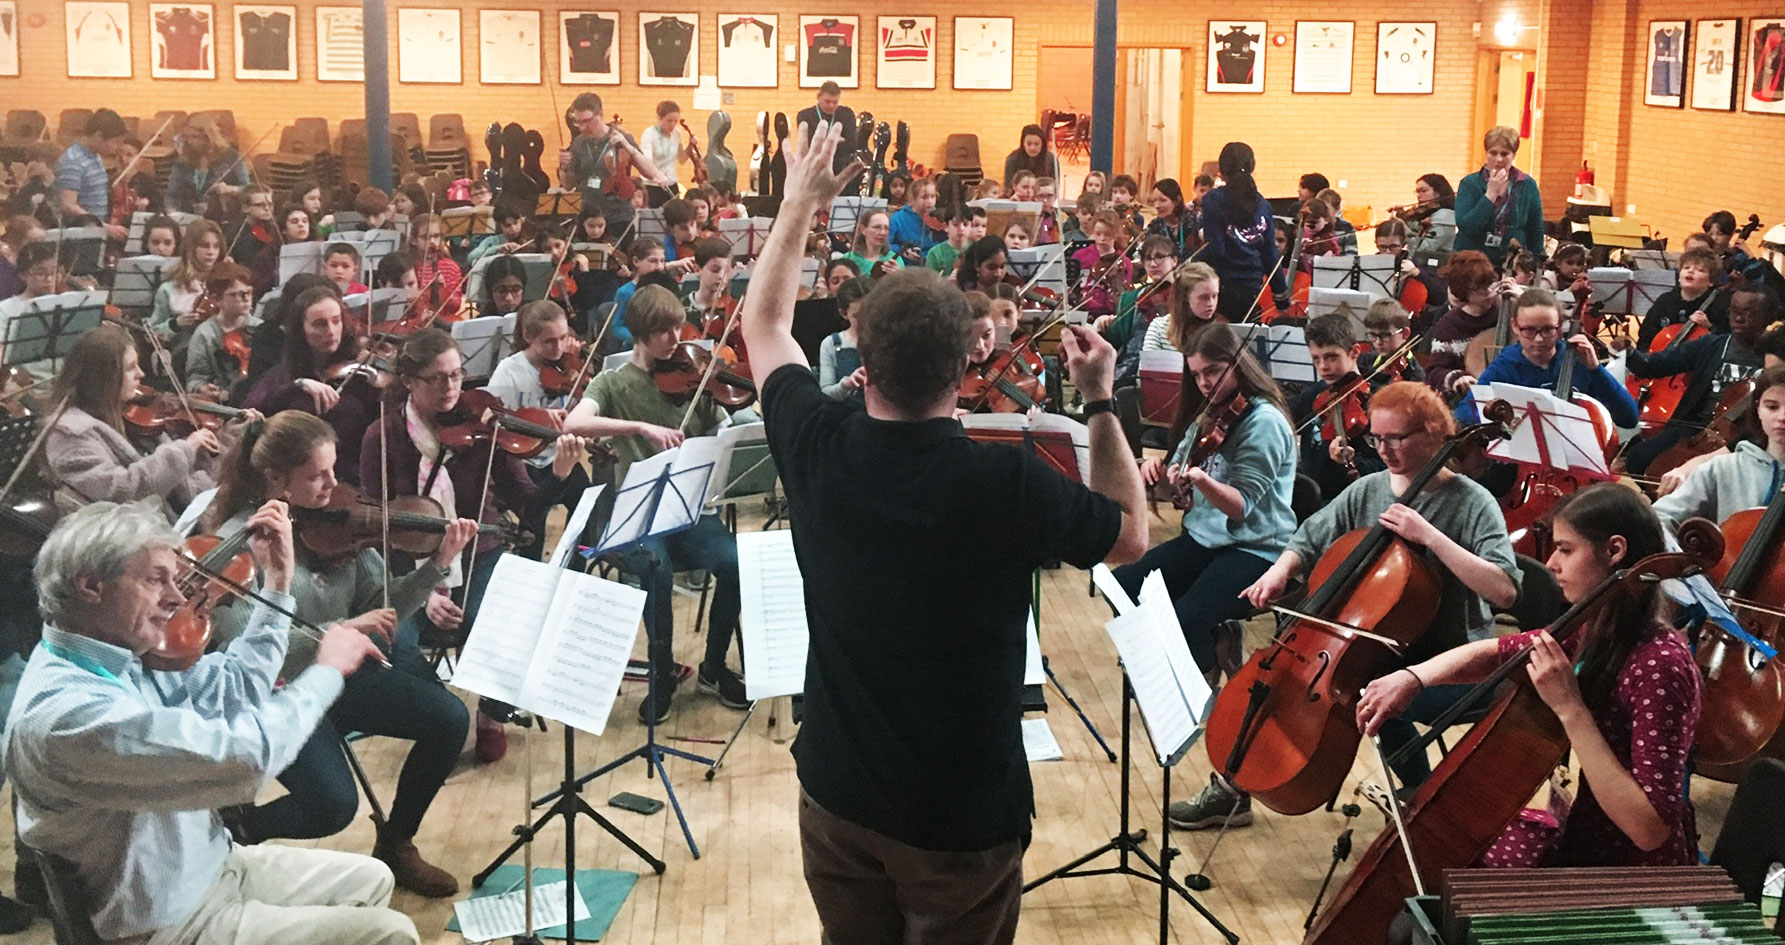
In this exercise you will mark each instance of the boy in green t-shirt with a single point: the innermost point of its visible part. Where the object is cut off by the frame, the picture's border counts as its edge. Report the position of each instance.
(964, 226)
(626, 405)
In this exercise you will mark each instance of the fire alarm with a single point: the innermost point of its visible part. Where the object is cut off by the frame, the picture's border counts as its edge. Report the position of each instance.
(35, 21)
(1279, 39)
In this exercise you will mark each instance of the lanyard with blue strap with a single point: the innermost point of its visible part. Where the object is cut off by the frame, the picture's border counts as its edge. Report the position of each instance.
(82, 660)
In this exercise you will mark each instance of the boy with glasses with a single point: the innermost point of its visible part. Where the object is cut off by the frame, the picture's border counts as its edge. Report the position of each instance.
(211, 364)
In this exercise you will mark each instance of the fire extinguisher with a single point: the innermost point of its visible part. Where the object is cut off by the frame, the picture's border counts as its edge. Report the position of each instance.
(1583, 179)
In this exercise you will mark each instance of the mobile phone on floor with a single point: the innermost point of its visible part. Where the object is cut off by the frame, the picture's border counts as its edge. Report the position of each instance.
(638, 804)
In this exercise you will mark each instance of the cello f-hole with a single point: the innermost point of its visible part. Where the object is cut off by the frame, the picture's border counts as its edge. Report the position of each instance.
(1325, 658)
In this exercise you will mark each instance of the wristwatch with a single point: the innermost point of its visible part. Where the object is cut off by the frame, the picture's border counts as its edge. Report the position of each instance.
(1094, 407)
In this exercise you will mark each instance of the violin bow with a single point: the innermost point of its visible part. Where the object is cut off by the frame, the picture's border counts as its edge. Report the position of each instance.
(173, 377)
(1357, 385)
(297, 623)
(243, 226)
(712, 363)
(125, 172)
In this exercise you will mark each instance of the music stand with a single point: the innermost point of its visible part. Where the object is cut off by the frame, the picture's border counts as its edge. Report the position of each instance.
(746, 234)
(1327, 301)
(1372, 275)
(137, 278)
(1000, 214)
(300, 257)
(596, 254)
(43, 329)
(139, 226)
(81, 248)
(16, 437)
(649, 222)
(1281, 349)
(845, 211)
(375, 304)
(1161, 384)
(1049, 261)
(485, 342)
(373, 246)
(663, 495)
(1641, 259)
(559, 204)
(347, 221)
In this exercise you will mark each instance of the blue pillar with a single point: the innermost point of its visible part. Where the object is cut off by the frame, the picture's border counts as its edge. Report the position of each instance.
(1103, 88)
(377, 35)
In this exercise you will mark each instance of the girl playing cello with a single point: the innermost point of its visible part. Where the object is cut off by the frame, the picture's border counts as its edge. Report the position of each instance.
(1629, 715)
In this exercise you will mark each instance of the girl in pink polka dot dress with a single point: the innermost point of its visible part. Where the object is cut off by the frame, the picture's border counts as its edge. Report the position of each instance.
(1627, 696)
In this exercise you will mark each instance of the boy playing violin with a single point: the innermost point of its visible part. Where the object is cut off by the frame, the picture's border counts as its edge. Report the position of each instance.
(712, 261)
(965, 225)
(217, 355)
(1333, 463)
(510, 235)
(642, 420)
(1388, 326)
(683, 229)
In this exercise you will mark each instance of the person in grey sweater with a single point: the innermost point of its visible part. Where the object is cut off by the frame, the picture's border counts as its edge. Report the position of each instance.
(292, 457)
(1750, 475)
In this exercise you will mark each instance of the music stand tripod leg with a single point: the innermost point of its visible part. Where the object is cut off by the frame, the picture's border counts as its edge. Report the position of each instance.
(735, 733)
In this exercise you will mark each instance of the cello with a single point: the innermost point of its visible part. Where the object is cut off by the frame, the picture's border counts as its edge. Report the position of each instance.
(1285, 729)
(1658, 398)
(1488, 775)
(1744, 693)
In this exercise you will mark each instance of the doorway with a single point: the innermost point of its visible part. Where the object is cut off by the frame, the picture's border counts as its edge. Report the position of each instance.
(1505, 89)
(1152, 111)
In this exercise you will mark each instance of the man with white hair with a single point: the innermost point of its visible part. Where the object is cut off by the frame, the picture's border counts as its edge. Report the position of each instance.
(119, 769)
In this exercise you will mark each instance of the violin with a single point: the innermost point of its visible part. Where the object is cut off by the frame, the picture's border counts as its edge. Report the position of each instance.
(1743, 693)
(236, 345)
(565, 376)
(1659, 397)
(1410, 291)
(701, 176)
(352, 522)
(151, 414)
(1212, 427)
(682, 374)
(1487, 777)
(1344, 409)
(619, 181)
(480, 417)
(188, 631)
(1301, 281)
(1001, 384)
(1285, 729)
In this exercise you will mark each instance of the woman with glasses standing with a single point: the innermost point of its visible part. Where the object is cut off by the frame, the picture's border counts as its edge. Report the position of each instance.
(404, 454)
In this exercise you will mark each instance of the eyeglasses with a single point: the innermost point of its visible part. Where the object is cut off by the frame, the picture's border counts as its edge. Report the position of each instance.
(1547, 331)
(1396, 440)
(1159, 257)
(239, 294)
(443, 379)
(1383, 335)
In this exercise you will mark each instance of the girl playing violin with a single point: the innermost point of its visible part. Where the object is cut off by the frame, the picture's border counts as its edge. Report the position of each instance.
(1104, 274)
(1630, 714)
(317, 347)
(435, 271)
(1238, 481)
(291, 457)
(983, 264)
(871, 252)
(1432, 218)
(544, 338)
(87, 453)
(161, 236)
(1195, 304)
(627, 405)
(406, 453)
(175, 299)
(1139, 307)
(840, 371)
(217, 355)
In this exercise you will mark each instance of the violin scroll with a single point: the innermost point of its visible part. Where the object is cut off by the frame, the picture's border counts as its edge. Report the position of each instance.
(1702, 540)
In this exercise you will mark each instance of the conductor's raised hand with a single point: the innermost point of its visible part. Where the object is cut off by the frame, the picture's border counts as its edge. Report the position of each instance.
(269, 538)
(1090, 362)
(810, 181)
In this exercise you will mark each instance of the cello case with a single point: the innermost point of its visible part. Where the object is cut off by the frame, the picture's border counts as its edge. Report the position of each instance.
(778, 166)
(722, 168)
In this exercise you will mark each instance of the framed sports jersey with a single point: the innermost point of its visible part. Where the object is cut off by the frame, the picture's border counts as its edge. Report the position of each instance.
(984, 49)
(98, 39)
(907, 53)
(1665, 83)
(182, 44)
(9, 38)
(669, 49)
(340, 45)
(428, 46)
(1763, 89)
(1323, 56)
(828, 51)
(266, 42)
(747, 54)
(1716, 64)
(1406, 57)
(1236, 56)
(508, 47)
(589, 47)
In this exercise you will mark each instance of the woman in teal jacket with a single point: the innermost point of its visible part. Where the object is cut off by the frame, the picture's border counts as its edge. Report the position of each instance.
(1499, 203)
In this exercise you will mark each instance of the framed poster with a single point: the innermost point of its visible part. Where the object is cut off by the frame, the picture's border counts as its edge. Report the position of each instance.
(1763, 89)
(340, 45)
(747, 53)
(1665, 83)
(266, 42)
(428, 46)
(182, 44)
(589, 47)
(98, 39)
(1236, 56)
(1716, 61)
(907, 53)
(983, 47)
(1406, 58)
(829, 51)
(9, 38)
(669, 49)
(508, 43)
(1323, 56)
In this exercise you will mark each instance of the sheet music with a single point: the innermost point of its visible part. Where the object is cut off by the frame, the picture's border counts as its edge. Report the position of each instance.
(1039, 743)
(583, 649)
(1105, 581)
(487, 918)
(1549, 430)
(1163, 361)
(744, 468)
(194, 511)
(574, 525)
(773, 621)
(1044, 425)
(509, 624)
(1034, 674)
(300, 257)
(1167, 683)
(1282, 349)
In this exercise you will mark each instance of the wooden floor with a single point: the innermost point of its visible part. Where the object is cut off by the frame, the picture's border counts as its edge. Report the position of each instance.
(747, 886)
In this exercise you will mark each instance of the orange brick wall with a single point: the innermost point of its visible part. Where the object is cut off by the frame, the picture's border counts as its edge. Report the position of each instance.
(1589, 58)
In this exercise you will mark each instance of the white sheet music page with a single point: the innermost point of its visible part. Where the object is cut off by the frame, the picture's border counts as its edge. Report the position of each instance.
(1034, 674)
(573, 526)
(582, 651)
(500, 647)
(1164, 676)
(773, 622)
(1039, 743)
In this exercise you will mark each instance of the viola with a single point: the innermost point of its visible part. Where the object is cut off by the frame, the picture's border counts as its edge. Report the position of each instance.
(1487, 777)
(1285, 729)
(701, 176)
(1344, 409)
(352, 522)
(1659, 397)
(1001, 384)
(1212, 426)
(188, 631)
(152, 414)
(481, 418)
(690, 371)
(1743, 694)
